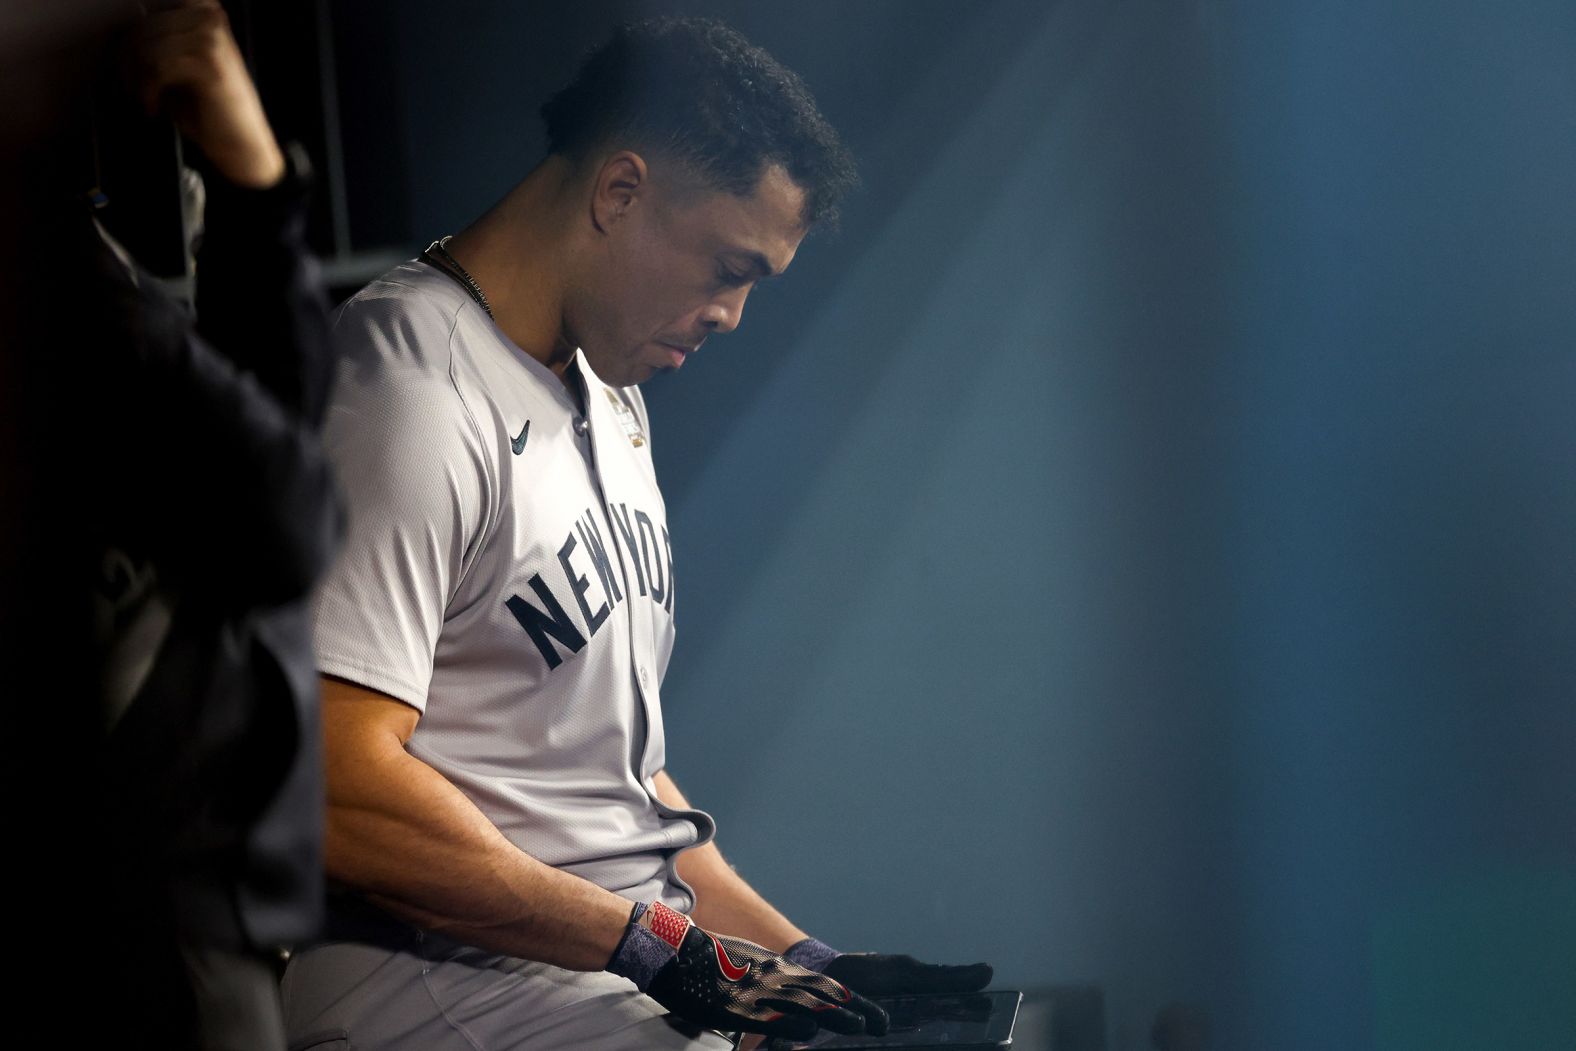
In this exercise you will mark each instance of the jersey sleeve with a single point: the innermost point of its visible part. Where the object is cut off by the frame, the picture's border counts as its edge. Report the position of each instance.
(410, 462)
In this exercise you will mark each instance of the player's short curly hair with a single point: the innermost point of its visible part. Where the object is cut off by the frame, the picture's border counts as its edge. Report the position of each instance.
(695, 90)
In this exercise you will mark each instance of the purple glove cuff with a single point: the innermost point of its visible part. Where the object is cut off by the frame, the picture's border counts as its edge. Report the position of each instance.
(641, 953)
(811, 954)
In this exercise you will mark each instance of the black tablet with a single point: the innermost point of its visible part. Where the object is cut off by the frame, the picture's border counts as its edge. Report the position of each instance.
(967, 1022)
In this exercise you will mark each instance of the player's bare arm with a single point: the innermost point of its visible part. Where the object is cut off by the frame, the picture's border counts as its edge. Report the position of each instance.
(189, 67)
(404, 836)
(724, 902)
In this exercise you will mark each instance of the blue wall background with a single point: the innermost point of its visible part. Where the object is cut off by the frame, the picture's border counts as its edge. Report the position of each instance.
(1139, 548)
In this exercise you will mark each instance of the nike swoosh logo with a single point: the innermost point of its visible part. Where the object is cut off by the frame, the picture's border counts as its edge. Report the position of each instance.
(729, 970)
(518, 444)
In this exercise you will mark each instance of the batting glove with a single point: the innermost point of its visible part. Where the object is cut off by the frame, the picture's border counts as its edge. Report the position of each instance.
(880, 974)
(728, 983)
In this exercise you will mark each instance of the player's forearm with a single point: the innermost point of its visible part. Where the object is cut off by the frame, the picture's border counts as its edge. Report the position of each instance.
(402, 834)
(724, 902)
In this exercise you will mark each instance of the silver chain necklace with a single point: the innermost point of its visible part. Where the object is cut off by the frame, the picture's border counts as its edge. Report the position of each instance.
(452, 267)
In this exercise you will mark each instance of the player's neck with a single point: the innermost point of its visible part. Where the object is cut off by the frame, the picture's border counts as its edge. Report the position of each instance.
(513, 252)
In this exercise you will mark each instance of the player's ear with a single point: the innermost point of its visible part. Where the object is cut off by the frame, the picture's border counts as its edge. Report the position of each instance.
(619, 183)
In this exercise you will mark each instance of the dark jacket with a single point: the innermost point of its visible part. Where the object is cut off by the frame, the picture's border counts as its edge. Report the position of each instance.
(212, 477)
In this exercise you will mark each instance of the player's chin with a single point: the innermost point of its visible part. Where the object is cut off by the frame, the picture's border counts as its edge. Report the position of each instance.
(641, 373)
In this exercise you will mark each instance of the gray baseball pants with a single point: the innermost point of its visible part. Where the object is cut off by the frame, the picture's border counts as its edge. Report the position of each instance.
(437, 995)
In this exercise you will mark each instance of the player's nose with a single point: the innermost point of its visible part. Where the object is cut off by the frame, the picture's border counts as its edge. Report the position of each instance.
(723, 313)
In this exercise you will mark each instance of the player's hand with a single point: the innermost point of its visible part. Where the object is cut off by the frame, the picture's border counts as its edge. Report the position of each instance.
(187, 66)
(882, 974)
(728, 983)
(879, 974)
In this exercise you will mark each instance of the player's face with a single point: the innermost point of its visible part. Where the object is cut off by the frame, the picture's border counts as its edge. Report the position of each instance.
(677, 268)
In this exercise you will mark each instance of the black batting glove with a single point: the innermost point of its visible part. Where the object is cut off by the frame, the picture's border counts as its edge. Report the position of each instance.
(728, 983)
(882, 974)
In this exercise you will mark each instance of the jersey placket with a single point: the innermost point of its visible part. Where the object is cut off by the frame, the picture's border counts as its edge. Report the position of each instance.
(604, 429)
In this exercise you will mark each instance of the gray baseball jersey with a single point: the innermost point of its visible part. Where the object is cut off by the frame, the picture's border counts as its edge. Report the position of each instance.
(508, 573)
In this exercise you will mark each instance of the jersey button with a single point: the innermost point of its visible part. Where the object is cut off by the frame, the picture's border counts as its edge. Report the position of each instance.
(582, 425)
(644, 678)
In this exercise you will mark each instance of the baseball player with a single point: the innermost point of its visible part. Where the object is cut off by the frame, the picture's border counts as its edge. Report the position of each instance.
(518, 868)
